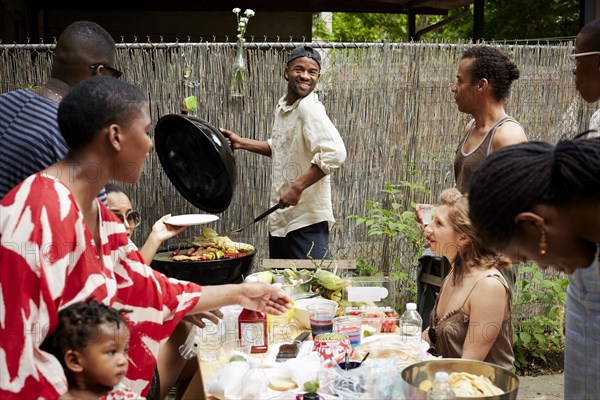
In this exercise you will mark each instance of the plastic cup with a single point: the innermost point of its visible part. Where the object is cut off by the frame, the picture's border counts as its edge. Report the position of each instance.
(234, 347)
(209, 347)
(280, 327)
(426, 213)
(349, 325)
(230, 321)
(371, 324)
(321, 318)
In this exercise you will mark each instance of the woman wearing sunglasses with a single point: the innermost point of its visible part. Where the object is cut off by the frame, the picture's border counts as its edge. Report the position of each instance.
(586, 67)
(120, 205)
(173, 369)
(472, 315)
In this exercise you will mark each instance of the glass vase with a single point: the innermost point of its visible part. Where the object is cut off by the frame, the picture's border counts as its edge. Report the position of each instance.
(239, 73)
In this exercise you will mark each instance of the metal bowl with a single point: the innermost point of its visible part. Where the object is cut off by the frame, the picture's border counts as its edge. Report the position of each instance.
(414, 374)
(299, 287)
(213, 272)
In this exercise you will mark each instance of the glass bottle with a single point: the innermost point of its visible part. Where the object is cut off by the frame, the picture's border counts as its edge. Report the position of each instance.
(239, 73)
(253, 330)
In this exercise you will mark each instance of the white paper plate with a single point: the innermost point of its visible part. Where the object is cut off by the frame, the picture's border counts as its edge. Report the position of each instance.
(393, 338)
(191, 219)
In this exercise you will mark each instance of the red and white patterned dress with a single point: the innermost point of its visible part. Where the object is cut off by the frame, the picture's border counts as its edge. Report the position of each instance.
(122, 392)
(47, 262)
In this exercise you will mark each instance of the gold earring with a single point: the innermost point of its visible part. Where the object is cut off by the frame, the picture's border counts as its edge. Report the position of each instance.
(543, 243)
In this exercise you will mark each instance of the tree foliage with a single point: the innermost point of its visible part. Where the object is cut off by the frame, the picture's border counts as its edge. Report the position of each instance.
(505, 20)
(531, 19)
(364, 27)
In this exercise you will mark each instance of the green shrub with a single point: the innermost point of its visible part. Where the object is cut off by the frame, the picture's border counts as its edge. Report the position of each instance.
(398, 227)
(544, 299)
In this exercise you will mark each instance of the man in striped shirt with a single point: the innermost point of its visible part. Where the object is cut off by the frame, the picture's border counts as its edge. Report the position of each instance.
(29, 136)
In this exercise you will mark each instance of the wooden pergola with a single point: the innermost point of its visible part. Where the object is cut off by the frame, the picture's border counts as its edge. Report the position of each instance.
(410, 7)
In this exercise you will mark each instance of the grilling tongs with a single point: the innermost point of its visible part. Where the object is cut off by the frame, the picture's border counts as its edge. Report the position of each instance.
(261, 216)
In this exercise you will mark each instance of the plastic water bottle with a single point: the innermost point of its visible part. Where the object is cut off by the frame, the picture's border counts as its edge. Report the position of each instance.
(410, 325)
(440, 389)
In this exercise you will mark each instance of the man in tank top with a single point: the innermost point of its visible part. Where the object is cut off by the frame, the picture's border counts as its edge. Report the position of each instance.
(482, 85)
(483, 81)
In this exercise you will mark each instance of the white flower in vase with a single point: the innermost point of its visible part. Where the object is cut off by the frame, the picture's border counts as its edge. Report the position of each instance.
(239, 71)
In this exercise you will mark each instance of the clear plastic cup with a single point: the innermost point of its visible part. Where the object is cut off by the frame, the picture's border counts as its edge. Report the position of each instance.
(281, 327)
(349, 325)
(371, 324)
(234, 347)
(321, 318)
(209, 347)
(427, 215)
(230, 321)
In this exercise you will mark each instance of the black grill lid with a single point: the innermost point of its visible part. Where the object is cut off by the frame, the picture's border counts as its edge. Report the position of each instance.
(197, 160)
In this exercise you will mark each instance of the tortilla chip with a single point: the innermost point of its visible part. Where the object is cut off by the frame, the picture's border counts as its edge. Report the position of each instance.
(486, 387)
(465, 384)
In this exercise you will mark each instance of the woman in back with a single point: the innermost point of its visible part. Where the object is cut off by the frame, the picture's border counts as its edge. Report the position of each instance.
(472, 315)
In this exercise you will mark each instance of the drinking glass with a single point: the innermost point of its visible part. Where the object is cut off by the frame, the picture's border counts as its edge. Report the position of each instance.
(349, 325)
(321, 318)
(210, 342)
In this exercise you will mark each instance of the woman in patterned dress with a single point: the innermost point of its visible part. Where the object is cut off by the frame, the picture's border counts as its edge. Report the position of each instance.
(60, 245)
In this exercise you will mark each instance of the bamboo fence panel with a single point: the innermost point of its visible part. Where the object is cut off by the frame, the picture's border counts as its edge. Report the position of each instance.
(391, 102)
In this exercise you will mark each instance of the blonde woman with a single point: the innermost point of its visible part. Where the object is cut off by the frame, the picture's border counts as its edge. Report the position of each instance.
(472, 315)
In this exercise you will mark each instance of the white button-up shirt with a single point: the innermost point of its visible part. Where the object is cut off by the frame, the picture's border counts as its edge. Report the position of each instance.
(303, 135)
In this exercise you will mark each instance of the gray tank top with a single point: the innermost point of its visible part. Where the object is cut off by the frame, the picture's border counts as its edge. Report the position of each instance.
(466, 163)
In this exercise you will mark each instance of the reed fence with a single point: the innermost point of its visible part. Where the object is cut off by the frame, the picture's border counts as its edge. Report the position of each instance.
(390, 101)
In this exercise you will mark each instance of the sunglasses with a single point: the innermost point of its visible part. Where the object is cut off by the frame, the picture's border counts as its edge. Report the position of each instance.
(133, 217)
(115, 72)
(573, 57)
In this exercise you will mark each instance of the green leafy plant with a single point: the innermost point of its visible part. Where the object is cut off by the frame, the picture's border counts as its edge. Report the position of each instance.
(400, 230)
(545, 298)
(365, 268)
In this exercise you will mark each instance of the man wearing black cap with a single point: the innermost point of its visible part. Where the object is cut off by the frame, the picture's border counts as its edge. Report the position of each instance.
(305, 148)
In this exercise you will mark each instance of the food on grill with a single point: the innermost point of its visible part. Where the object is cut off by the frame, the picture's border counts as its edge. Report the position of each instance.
(211, 246)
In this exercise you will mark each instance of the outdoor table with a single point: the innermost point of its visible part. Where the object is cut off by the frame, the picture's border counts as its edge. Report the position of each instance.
(209, 368)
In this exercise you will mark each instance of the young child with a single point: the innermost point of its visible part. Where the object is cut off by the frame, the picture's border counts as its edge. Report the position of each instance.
(91, 342)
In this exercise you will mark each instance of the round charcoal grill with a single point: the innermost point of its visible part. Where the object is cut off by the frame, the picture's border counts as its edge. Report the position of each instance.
(200, 164)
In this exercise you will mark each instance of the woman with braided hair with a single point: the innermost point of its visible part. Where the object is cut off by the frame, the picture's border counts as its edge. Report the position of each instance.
(540, 202)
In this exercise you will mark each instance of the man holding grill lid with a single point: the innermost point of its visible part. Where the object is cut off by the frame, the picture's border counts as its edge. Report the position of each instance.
(305, 148)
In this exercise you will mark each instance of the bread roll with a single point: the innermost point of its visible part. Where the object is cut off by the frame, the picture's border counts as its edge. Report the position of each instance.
(282, 383)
